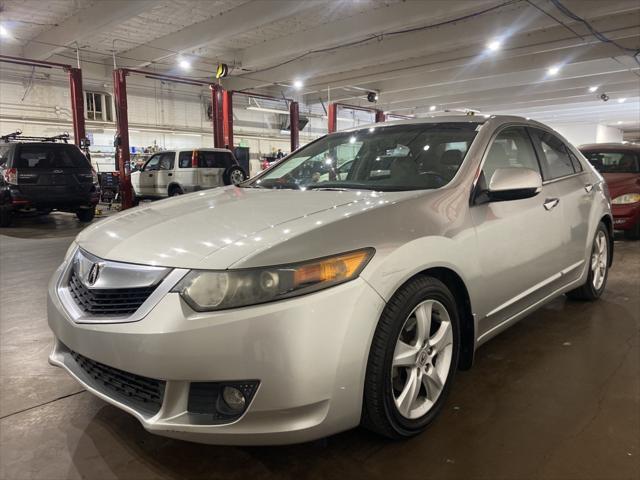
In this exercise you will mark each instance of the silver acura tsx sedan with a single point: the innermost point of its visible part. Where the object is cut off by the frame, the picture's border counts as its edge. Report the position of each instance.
(343, 286)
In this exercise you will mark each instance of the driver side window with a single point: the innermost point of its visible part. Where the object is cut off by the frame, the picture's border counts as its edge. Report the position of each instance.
(153, 163)
(511, 148)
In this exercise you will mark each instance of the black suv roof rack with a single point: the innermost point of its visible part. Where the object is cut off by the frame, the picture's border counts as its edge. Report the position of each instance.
(17, 137)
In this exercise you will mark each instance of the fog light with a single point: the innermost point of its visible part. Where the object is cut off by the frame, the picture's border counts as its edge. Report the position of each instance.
(234, 399)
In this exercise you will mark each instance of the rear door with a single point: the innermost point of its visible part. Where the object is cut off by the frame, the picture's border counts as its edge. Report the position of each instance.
(520, 240)
(211, 167)
(164, 174)
(148, 176)
(50, 172)
(561, 168)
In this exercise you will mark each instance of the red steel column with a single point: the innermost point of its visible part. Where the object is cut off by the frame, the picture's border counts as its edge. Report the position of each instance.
(380, 117)
(227, 118)
(216, 116)
(294, 122)
(333, 117)
(77, 105)
(122, 134)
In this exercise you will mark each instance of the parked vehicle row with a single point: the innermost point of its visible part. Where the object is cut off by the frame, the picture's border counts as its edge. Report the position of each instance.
(343, 286)
(619, 163)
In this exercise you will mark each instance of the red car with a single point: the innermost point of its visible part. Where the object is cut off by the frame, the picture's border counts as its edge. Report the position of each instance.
(619, 163)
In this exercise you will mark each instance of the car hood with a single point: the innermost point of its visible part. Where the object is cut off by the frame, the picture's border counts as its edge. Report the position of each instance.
(621, 183)
(217, 228)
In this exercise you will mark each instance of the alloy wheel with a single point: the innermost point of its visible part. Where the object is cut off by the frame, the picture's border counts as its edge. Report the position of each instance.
(237, 177)
(422, 359)
(599, 260)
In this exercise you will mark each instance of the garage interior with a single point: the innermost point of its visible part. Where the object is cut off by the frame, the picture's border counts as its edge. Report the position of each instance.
(556, 396)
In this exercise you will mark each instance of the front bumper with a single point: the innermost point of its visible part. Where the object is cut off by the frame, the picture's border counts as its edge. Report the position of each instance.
(309, 354)
(625, 217)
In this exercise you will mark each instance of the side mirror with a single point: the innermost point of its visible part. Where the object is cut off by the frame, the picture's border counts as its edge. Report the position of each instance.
(514, 183)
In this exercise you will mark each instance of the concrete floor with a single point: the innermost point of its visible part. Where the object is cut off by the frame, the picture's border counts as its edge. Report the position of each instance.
(556, 396)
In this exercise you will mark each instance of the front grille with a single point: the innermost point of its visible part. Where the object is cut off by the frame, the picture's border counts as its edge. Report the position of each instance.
(137, 391)
(107, 301)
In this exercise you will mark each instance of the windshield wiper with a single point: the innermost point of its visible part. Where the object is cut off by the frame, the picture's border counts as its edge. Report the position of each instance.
(338, 186)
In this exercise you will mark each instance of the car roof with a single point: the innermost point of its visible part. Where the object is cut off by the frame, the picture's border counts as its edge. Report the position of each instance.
(206, 149)
(478, 119)
(632, 147)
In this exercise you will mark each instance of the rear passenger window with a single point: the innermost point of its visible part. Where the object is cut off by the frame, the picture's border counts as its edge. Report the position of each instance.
(214, 159)
(184, 159)
(511, 148)
(577, 166)
(556, 161)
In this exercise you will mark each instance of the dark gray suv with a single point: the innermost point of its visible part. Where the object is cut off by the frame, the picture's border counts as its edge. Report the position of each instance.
(38, 177)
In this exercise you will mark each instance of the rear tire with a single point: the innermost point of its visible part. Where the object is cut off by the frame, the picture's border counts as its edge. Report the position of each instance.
(85, 215)
(175, 190)
(234, 175)
(598, 271)
(413, 359)
(5, 217)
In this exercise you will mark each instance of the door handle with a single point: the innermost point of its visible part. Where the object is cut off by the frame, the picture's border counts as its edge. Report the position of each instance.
(551, 203)
(588, 187)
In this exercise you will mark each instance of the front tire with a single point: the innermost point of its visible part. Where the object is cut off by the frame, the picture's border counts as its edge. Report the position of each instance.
(5, 217)
(413, 359)
(634, 233)
(598, 267)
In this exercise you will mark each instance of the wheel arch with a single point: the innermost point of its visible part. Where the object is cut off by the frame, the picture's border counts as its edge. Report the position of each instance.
(173, 185)
(455, 283)
(608, 221)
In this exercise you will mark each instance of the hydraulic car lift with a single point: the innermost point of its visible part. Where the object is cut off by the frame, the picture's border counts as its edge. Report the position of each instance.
(221, 115)
(333, 113)
(227, 115)
(77, 96)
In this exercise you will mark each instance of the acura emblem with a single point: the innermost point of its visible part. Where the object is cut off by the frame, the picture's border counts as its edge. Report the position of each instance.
(94, 271)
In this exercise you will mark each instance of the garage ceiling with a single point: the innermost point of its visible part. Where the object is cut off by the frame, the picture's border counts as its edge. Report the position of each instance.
(417, 54)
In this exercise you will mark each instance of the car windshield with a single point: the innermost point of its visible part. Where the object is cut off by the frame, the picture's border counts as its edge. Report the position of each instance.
(391, 158)
(614, 162)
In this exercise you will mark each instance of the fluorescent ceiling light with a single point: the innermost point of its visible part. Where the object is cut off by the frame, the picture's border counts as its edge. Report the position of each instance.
(268, 110)
(593, 89)
(4, 33)
(553, 70)
(494, 45)
(187, 134)
(432, 108)
(622, 100)
(297, 84)
(185, 64)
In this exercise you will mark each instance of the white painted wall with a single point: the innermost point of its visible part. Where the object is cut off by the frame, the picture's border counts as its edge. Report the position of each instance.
(579, 134)
(167, 119)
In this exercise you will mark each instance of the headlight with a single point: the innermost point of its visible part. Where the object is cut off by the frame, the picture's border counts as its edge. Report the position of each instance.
(626, 198)
(70, 250)
(207, 290)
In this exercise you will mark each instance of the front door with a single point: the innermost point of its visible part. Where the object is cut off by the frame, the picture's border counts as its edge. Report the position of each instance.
(519, 241)
(164, 175)
(148, 176)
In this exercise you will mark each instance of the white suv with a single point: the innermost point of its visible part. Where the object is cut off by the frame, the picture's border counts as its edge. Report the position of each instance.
(175, 172)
